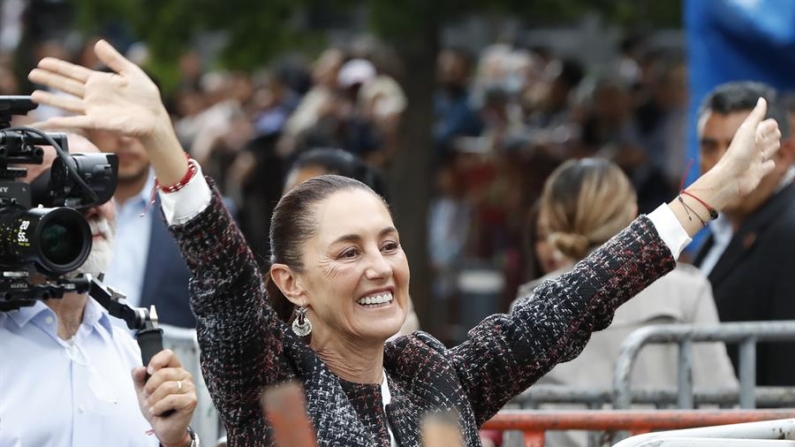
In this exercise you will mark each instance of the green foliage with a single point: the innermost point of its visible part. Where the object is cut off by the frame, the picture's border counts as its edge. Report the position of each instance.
(398, 19)
(402, 18)
(255, 31)
(259, 30)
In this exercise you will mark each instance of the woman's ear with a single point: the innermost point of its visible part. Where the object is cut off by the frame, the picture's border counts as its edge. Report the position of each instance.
(288, 282)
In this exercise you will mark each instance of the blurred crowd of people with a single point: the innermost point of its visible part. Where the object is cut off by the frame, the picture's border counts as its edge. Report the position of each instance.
(504, 119)
(507, 118)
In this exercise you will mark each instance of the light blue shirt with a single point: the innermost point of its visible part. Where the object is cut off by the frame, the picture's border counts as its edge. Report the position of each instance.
(57, 393)
(131, 246)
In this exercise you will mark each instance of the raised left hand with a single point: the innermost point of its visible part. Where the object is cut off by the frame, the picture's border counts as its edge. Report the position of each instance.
(170, 387)
(748, 159)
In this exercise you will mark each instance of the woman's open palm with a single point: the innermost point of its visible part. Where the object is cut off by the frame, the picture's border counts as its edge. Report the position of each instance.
(126, 101)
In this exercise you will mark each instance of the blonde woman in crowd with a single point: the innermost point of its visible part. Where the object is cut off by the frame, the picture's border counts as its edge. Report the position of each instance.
(584, 204)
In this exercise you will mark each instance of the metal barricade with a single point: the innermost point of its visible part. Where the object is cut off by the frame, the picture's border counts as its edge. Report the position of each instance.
(714, 442)
(207, 423)
(534, 424)
(596, 398)
(752, 433)
(746, 334)
(183, 342)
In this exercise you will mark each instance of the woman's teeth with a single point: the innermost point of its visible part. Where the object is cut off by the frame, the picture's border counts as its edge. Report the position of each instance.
(380, 298)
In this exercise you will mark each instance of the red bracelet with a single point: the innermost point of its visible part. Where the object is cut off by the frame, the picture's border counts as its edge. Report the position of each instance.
(713, 214)
(193, 168)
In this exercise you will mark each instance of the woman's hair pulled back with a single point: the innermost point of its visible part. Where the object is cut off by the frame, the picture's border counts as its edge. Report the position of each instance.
(584, 203)
(293, 223)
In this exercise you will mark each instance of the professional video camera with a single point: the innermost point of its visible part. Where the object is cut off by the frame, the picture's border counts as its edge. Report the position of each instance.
(41, 229)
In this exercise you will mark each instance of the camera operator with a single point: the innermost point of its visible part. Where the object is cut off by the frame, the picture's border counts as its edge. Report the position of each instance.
(65, 370)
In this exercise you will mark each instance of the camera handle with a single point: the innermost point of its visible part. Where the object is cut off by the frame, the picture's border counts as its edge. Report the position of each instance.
(139, 319)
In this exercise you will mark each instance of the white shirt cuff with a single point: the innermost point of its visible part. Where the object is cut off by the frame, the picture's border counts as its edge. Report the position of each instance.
(185, 204)
(670, 230)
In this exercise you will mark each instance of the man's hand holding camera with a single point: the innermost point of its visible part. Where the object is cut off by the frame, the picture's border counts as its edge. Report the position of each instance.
(167, 398)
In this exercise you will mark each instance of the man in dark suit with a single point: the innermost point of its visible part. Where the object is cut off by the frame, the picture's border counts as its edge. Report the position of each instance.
(750, 255)
(147, 265)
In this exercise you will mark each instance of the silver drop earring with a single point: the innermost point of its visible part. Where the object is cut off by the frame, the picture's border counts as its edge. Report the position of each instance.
(301, 325)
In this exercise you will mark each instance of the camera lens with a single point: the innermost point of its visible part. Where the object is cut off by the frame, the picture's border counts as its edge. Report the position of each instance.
(55, 240)
(60, 241)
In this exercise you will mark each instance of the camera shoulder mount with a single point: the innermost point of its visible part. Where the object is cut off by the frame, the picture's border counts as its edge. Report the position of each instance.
(143, 321)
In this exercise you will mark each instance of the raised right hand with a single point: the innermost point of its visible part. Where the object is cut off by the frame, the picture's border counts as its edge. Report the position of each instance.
(126, 102)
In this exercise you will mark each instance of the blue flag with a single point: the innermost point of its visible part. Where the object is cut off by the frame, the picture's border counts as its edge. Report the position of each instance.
(737, 40)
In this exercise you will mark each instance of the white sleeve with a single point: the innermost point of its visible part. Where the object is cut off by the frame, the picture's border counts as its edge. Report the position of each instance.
(669, 229)
(183, 205)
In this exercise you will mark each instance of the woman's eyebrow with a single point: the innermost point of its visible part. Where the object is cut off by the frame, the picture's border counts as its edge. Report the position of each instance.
(357, 238)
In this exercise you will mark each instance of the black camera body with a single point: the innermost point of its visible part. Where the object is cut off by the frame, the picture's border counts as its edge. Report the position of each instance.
(44, 236)
(15, 193)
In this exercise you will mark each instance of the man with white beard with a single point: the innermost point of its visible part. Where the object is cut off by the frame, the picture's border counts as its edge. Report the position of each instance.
(65, 369)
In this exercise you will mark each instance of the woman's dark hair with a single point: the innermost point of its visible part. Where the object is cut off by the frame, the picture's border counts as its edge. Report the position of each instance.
(340, 162)
(292, 223)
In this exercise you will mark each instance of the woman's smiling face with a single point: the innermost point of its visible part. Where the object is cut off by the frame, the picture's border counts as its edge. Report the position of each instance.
(355, 276)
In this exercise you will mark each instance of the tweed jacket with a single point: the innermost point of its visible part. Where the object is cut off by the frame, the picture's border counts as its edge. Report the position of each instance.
(683, 296)
(246, 348)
